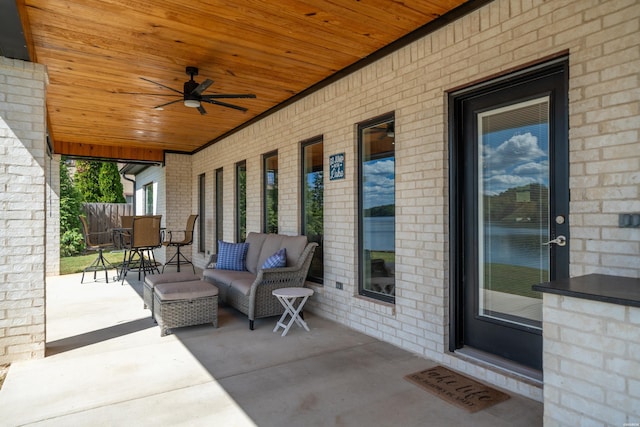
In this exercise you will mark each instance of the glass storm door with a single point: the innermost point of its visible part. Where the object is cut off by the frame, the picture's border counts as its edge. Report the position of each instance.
(515, 215)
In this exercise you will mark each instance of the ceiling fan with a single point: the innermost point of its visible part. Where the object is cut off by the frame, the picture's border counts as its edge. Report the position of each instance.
(192, 94)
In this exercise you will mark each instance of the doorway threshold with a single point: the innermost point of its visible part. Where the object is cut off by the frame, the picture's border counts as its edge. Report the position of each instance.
(502, 365)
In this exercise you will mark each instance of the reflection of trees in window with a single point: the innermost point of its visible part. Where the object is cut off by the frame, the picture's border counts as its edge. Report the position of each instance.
(219, 199)
(313, 204)
(270, 184)
(528, 204)
(201, 211)
(241, 202)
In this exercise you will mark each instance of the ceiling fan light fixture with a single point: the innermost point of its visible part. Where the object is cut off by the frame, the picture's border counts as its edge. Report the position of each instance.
(391, 131)
(192, 103)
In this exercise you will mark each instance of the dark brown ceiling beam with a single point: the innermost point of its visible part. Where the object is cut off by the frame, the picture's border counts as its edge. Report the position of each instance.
(121, 153)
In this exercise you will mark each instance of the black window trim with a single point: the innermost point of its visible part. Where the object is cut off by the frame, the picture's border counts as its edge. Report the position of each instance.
(383, 118)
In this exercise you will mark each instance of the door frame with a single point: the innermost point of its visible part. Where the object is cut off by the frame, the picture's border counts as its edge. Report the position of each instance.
(456, 181)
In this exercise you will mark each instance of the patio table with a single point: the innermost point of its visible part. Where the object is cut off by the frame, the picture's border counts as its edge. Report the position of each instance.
(288, 297)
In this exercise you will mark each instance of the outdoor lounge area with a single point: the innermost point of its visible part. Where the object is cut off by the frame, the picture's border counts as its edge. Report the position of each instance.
(468, 169)
(106, 364)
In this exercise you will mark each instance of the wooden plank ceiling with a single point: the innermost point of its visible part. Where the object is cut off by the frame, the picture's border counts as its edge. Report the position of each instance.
(98, 51)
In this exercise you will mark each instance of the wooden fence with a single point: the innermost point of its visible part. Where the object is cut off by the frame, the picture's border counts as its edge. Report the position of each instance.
(103, 217)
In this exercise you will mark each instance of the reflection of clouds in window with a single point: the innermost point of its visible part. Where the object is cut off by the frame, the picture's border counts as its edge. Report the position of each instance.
(515, 162)
(499, 183)
(379, 183)
(533, 169)
(518, 148)
(379, 167)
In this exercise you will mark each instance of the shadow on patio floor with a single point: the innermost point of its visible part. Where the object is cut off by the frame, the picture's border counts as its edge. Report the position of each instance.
(109, 366)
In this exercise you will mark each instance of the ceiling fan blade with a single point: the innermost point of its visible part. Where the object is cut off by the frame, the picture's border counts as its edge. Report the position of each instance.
(202, 110)
(228, 95)
(160, 84)
(224, 104)
(202, 87)
(168, 103)
(145, 94)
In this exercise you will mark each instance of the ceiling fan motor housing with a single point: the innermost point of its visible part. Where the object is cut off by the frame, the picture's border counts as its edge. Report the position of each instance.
(188, 96)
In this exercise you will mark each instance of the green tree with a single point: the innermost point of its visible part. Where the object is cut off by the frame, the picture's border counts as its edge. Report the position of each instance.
(71, 239)
(111, 190)
(87, 180)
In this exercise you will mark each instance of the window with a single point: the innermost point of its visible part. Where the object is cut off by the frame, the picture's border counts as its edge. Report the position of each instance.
(201, 212)
(219, 199)
(313, 203)
(241, 201)
(270, 192)
(148, 199)
(376, 216)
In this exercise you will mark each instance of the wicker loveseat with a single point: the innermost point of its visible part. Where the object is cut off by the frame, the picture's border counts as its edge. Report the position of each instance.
(249, 291)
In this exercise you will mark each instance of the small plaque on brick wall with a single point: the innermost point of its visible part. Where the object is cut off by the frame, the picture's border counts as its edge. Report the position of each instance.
(336, 166)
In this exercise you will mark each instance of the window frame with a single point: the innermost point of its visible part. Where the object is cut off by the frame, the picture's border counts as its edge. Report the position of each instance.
(384, 118)
(241, 200)
(265, 192)
(148, 204)
(219, 201)
(201, 211)
(318, 254)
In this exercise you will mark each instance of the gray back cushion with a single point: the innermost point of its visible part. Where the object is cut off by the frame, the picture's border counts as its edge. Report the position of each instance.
(293, 244)
(262, 246)
(255, 241)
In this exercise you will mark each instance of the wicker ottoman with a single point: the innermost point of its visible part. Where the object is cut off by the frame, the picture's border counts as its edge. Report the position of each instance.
(151, 280)
(184, 304)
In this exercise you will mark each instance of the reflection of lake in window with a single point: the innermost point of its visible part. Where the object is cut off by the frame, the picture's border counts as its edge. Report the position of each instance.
(377, 210)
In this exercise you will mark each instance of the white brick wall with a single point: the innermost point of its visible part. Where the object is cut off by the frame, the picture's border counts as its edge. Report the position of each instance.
(591, 364)
(52, 209)
(23, 228)
(182, 187)
(601, 38)
(154, 176)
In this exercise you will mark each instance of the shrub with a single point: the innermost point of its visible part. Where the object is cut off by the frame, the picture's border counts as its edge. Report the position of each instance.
(71, 243)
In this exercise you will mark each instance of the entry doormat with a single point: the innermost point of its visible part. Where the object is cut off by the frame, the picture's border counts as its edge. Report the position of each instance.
(457, 389)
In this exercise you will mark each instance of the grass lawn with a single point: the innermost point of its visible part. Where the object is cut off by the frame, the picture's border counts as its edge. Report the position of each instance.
(385, 255)
(76, 264)
(512, 279)
(505, 278)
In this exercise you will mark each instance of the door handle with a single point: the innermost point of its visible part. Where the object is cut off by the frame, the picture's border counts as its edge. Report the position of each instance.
(560, 241)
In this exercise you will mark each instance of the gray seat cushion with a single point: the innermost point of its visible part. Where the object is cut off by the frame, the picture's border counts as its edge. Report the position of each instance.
(228, 277)
(155, 279)
(185, 290)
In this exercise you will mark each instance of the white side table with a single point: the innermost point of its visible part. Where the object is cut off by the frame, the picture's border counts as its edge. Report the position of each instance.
(288, 297)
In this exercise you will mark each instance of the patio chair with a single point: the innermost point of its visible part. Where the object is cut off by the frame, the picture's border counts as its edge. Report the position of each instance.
(122, 240)
(96, 242)
(187, 239)
(145, 237)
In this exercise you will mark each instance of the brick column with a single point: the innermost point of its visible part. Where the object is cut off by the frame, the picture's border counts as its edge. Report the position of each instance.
(23, 165)
(591, 366)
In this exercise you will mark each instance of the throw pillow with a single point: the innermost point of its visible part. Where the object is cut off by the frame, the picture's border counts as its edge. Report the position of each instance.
(277, 260)
(231, 256)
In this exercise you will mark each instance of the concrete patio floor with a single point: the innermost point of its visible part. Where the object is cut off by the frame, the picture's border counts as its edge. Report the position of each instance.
(107, 365)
